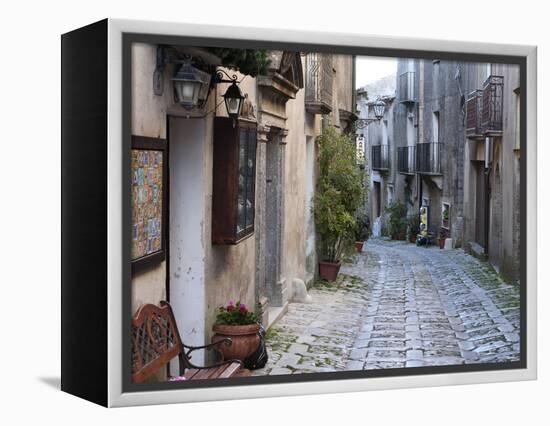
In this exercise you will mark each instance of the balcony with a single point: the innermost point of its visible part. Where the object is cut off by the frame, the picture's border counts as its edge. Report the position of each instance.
(380, 157)
(406, 160)
(491, 111)
(473, 115)
(319, 79)
(406, 88)
(428, 158)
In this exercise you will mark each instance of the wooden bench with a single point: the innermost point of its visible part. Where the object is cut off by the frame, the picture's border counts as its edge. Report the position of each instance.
(156, 341)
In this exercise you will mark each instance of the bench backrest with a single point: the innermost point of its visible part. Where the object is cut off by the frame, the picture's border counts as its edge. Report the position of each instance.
(155, 340)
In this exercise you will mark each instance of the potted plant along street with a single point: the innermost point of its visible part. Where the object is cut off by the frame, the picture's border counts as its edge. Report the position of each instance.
(236, 322)
(443, 234)
(397, 223)
(339, 194)
(413, 227)
(361, 233)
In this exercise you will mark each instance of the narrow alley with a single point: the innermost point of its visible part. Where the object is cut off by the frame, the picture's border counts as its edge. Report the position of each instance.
(398, 305)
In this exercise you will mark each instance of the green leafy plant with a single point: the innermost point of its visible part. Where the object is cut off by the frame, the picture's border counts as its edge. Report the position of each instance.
(235, 314)
(340, 192)
(246, 61)
(397, 223)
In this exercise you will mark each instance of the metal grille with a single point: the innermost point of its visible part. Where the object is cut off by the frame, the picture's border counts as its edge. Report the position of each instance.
(473, 115)
(319, 82)
(428, 158)
(406, 87)
(491, 113)
(380, 157)
(406, 160)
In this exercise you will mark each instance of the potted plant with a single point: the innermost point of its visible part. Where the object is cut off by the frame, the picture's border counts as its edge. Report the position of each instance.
(361, 232)
(339, 194)
(413, 227)
(236, 322)
(443, 234)
(397, 222)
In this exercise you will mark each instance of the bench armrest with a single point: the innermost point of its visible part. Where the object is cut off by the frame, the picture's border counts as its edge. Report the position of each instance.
(227, 341)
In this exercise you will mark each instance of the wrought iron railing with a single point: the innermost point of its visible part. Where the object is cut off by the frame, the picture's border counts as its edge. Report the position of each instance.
(473, 115)
(319, 80)
(380, 157)
(406, 87)
(406, 160)
(491, 112)
(429, 158)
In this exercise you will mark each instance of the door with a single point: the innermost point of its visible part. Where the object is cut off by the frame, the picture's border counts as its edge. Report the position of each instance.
(274, 283)
(480, 209)
(186, 282)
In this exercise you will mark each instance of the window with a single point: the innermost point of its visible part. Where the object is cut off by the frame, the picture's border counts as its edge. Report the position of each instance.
(234, 176)
(435, 126)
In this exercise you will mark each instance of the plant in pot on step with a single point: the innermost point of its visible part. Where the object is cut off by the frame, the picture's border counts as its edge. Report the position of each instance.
(397, 222)
(413, 227)
(361, 232)
(340, 193)
(236, 322)
(443, 234)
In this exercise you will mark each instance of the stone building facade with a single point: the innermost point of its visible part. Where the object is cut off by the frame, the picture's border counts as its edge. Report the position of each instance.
(288, 106)
(454, 149)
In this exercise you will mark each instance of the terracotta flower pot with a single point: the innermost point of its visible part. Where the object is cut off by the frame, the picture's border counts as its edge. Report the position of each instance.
(412, 238)
(359, 246)
(329, 270)
(244, 340)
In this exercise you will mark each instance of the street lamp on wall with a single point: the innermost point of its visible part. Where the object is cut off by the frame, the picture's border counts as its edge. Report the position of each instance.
(191, 85)
(379, 108)
(233, 96)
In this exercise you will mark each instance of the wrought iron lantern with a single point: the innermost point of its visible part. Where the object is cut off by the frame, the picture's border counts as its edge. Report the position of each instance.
(379, 108)
(233, 96)
(233, 101)
(190, 84)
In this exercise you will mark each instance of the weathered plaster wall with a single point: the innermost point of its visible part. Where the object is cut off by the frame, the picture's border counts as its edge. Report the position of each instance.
(506, 202)
(148, 119)
(344, 84)
(293, 251)
(229, 269)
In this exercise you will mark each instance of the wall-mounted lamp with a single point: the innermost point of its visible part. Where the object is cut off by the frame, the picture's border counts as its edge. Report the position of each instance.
(379, 108)
(191, 86)
(233, 96)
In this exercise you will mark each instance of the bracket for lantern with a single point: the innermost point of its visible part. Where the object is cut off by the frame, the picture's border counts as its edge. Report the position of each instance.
(233, 96)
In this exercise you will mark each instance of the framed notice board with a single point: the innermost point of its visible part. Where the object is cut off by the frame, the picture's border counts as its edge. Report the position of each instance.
(148, 201)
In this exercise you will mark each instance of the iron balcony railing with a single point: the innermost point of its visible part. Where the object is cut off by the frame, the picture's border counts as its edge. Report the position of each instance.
(319, 80)
(406, 159)
(406, 87)
(473, 115)
(429, 158)
(491, 112)
(380, 157)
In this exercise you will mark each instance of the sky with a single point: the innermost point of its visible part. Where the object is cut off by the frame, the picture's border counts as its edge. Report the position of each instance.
(370, 69)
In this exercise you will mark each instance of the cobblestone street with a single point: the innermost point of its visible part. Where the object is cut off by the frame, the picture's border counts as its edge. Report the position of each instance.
(399, 305)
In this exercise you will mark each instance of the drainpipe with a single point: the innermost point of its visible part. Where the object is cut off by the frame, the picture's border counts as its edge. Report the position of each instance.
(420, 131)
(488, 169)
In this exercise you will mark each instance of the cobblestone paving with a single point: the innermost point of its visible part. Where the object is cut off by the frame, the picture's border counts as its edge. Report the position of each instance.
(398, 305)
